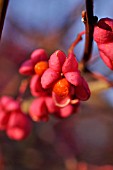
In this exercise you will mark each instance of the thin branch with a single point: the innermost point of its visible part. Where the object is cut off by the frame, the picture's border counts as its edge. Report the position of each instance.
(77, 40)
(89, 27)
(22, 89)
(3, 9)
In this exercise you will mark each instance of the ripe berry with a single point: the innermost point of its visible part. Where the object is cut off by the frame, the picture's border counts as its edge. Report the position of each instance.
(40, 67)
(61, 87)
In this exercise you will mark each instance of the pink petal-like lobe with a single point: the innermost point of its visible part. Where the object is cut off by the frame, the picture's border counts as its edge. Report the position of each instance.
(4, 100)
(65, 112)
(36, 87)
(106, 53)
(103, 35)
(4, 118)
(103, 31)
(49, 77)
(12, 106)
(71, 64)
(19, 126)
(74, 78)
(27, 68)
(82, 92)
(39, 55)
(56, 60)
(50, 105)
(38, 110)
(9, 104)
(107, 61)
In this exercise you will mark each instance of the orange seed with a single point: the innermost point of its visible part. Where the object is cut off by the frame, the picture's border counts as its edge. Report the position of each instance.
(61, 87)
(40, 67)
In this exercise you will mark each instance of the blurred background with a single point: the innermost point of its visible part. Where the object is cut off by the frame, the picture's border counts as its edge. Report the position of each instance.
(85, 140)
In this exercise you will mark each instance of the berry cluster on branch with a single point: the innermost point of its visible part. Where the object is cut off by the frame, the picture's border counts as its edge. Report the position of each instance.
(56, 84)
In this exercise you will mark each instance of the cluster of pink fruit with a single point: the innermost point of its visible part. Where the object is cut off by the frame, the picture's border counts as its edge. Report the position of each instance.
(57, 86)
(55, 83)
(12, 120)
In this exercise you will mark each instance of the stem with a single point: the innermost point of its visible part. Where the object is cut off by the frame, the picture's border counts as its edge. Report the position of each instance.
(3, 9)
(89, 27)
(78, 38)
(22, 89)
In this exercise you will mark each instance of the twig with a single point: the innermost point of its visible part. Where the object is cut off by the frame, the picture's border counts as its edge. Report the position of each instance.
(89, 27)
(3, 9)
(78, 38)
(22, 89)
